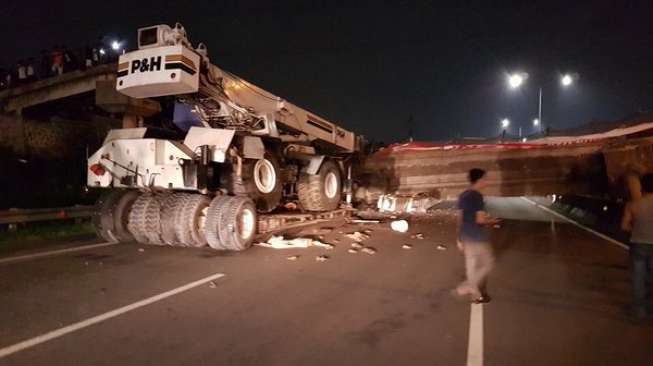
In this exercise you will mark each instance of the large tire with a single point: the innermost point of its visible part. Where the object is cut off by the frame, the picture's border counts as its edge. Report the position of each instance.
(261, 180)
(190, 220)
(213, 219)
(145, 219)
(111, 215)
(237, 223)
(170, 205)
(322, 191)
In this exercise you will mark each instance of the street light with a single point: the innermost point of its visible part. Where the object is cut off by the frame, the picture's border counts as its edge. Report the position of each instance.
(566, 80)
(505, 122)
(115, 45)
(517, 79)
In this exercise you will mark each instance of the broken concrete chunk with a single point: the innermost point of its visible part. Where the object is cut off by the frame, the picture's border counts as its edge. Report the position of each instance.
(358, 236)
(322, 258)
(441, 247)
(318, 243)
(399, 226)
(357, 245)
(365, 221)
(293, 258)
(352, 251)
(407, 246)
(368, 250)
(417, 236)
(141, 250)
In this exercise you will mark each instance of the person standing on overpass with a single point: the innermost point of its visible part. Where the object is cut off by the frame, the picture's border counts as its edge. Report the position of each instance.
(473, 238)
(638, 220)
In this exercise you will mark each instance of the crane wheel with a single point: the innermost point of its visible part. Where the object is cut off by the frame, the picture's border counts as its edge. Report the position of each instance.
(170, 205)
(322, 191)
(261, 180)
(144, 221)
(238, 221)
(111, 215)
(213, 219)
(190, 220)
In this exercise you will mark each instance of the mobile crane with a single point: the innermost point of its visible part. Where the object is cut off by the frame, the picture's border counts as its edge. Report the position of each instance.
(244, 151)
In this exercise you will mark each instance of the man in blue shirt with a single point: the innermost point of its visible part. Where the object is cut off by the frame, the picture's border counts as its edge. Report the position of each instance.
(473, 239)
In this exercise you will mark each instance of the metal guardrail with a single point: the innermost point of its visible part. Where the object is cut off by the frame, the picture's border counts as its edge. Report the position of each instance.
(16, 216)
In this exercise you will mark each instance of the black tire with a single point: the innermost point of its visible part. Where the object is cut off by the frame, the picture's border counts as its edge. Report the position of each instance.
(234, 233)
(316, 192)
(252, 182)
(111, 215)
(189, 226)
(170, 205)
(213, 219)
(145, 219)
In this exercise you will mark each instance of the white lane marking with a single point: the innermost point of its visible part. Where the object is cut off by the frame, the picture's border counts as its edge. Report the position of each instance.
(576, 223)
(475, 345)
(102, 317)
(55, 252)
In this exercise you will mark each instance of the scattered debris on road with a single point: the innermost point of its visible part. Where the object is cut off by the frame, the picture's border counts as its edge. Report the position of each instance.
(406, 246)
(317, 243)
(278, 242)
(352, 251)
(399, 226)
(358, 236)
(293, 258)
(419, 203)
(360, 221)
(417, 236)
(441, 247)
(212, 284)
(322, 258)
(368, 250)
(141, 250)
(357, 245)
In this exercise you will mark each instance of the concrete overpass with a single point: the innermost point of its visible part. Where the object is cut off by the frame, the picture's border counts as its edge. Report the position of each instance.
(100, 80)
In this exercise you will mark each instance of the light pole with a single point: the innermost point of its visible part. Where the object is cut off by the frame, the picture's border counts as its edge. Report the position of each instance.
(517, 79)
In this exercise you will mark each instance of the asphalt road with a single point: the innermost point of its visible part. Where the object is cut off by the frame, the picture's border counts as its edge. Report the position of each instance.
(558, 298)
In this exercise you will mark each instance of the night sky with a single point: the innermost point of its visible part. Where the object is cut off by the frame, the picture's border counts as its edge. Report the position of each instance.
(371, 65)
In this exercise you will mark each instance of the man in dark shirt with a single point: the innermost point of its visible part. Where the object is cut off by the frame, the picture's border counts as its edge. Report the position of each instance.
(473, 238)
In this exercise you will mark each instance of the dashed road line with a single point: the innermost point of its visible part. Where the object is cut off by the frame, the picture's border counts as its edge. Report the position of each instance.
(4, 352)
(475, 344)
(576, 223)
(54, 252)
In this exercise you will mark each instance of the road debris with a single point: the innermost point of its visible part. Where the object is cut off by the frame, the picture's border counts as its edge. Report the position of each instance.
(406, 246)
(357, 245)
(399, 226)
(352, 251)
(358, 236)
(419, 203)
(278, 242)
(368, 250)
(293, 258)
(496, 226)
(417, 236)
(359, 221)
(141, 250)
(322, 231)
(322, 258)
(212, 284)
(441, 247)
(317, 243)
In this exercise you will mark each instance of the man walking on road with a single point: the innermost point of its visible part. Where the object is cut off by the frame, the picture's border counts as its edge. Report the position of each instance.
(638, 220)
(473, 238)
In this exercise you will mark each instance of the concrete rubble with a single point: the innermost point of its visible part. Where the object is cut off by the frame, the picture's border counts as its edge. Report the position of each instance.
(399, 226)
(279, 242)
(406, 246)
(322, 258)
